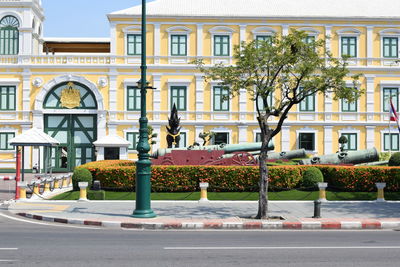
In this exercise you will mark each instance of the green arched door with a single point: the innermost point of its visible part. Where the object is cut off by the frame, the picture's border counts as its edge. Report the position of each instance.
(76, 132)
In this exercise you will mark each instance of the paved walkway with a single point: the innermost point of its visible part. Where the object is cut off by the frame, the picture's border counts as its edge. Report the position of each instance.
(216, 214)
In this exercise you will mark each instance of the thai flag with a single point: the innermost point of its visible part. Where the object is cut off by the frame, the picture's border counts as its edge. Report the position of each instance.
(393, 115)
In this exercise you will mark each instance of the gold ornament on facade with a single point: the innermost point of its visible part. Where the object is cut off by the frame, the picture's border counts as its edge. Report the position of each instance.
(70, 96)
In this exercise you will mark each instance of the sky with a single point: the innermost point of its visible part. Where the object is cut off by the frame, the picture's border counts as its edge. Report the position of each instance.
(81, 18)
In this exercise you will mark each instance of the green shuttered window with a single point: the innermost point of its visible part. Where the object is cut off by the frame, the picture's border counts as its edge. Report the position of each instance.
(4, 139)
(7, 97)
(134, 44)
(133, 98)
(178, 45)
(221, 45)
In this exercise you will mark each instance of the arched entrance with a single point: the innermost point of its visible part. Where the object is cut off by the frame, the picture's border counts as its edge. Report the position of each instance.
(72, 123)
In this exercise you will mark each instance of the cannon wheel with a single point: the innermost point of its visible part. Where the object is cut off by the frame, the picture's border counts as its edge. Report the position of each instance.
(243, 159)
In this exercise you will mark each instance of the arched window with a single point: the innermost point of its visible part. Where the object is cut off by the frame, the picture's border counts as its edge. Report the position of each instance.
(68, 95)
(9, 36)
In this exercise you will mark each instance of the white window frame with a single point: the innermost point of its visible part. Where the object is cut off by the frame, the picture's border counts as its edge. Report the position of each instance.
(263, 31)
(350, 115)
(221, 30)
(180, 82)
(11, 114)
(131, 130)
(223, 130)
(391, 32)
(218, 115)
(308, 130)
(349, 32)
(8, 130)
(393, 130)
(350, 130)
(178, 30)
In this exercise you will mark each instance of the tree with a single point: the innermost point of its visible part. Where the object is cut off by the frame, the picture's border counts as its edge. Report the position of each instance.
(288, 68)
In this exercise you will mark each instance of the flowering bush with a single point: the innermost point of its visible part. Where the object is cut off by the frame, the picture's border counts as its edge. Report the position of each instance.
(120, 174)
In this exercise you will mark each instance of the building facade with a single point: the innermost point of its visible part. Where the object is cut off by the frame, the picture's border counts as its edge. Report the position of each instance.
(35, 72)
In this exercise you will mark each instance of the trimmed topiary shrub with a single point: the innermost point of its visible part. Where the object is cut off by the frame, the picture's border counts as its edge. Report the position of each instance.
(81, 175)
(311, 177)
(96, 195)
(395, 159)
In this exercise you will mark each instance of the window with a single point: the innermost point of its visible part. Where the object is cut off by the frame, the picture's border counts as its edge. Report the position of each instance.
(391, 142)
(7, 98)
(178, 97)
(263, 38)
(220, 138)
(221, 45)
(133, 98)
(351, 141)
(308, 103)
(134, 44)
(258, 137)
(349, 106)
(4, 139)
(133, 139)
(309, 39)
(221, 102)
(260, 102)
(390, 47)
(178, 45)
(307, 141)
(390, 93)
(349, 46)
(182, 141)
(9, 36)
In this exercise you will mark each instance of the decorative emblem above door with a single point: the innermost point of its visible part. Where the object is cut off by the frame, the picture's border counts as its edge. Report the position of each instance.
(70, 96)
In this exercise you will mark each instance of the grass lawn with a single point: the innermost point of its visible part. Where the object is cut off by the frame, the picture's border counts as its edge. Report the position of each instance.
(283, 195)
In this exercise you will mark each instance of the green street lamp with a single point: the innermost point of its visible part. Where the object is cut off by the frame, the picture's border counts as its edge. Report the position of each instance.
(143, 165)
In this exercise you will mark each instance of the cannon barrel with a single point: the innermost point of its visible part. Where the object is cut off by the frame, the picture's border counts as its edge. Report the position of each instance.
(247, 147)
(348, 157)
(299, 153)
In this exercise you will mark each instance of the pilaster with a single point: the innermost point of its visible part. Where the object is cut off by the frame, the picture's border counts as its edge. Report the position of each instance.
(370, 96)
(285, 133)
(242, 134)
(26, 90)
(199, 129)
(285, 29)
(328, 33)
(370, 138)
(242, 104)
(242, 33)
(199, 96)
(112, 93)
(156, 96)
(199, 40)
(370, 44)
(328, 141)
(157, 45)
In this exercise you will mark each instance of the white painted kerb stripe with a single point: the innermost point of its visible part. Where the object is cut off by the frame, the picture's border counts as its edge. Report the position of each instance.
(276, 248)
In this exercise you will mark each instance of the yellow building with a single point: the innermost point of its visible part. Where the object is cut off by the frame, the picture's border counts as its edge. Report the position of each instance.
(35, 71)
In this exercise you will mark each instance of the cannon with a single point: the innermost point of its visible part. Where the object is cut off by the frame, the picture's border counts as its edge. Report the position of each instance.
(344, 157)
(299, 153)
(227, 149)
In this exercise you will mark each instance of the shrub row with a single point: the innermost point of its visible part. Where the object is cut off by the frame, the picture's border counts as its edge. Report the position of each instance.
(121, 175)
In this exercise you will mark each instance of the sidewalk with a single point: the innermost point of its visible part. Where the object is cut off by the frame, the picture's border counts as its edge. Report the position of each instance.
(215, 214)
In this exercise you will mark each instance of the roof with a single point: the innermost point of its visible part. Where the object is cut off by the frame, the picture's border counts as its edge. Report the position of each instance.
(111, 141)
(269, 8)
(33, 137)
(76, 40)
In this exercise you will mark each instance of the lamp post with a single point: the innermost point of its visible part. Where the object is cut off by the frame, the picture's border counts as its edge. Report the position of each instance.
(143, 170)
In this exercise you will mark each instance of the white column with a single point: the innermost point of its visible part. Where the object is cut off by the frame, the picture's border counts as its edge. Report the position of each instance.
(370, 96)
(370, 136)
(370, 44)
(199, 96)
(101, 123)
(242, 134)
(200, 40)
(328, 107)
(242, 104)
(27, 150)
(157, 41)
(112, 93)
(156, 96)
(112, 129)
(100, 153)
(285, 138)
(26, 90)
(113, 38)
(198, 129)
(123, 153)
(285, 29)
(157, 130)
(328, 141)
(242, 33)
(328, 33)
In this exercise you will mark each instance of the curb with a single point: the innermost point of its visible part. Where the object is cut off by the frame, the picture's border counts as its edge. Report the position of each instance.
(251, 225)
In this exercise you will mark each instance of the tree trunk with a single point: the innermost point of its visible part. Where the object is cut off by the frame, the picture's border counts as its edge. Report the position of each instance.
(263, 193)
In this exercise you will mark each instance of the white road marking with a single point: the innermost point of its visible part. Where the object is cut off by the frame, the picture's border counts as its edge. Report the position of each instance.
(277, 248)
(50, 224)
(8, 260)
(8, 248)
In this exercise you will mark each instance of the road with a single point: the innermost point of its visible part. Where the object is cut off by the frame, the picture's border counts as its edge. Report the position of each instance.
(24, 243)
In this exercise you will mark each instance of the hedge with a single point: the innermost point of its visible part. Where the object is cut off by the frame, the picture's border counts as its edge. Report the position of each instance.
(120, 175)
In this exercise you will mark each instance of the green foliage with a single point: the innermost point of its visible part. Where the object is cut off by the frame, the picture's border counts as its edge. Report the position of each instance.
(96, 195)
(81, 175)
(311, 177)
(395, 159)
(384, 156)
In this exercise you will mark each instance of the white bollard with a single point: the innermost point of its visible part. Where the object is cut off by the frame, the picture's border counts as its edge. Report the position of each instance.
(322, 191)
(381, 194)
(203, 192)
(83, 192)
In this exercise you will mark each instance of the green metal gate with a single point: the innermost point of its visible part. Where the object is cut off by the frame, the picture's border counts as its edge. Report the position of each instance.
(76, 134)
